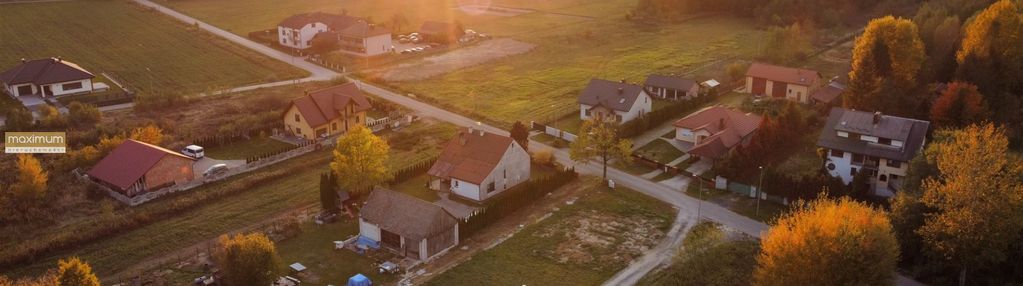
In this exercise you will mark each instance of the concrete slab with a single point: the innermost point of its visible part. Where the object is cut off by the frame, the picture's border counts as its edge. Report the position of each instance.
(206, 162)
(677, 183)
(699, 167)
(652, 174)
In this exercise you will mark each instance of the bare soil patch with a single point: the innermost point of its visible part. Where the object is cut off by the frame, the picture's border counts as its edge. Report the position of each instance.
(455, 60)
(611, 239)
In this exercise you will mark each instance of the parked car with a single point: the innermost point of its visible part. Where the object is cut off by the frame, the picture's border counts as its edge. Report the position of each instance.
(483, 36)
(215, 170)
(194, 151)
(414, 34)
(419, 49)
(403, 40)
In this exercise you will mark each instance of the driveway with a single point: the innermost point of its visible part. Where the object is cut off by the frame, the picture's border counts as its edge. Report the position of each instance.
(206, 162)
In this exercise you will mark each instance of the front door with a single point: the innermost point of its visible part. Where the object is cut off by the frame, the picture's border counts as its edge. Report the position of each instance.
(46, 91)
(24, 90)
(390, 239)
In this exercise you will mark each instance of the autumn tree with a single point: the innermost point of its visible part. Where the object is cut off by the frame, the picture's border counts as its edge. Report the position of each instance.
(83, 114)
(736, 71)
(51, 118)
(991, 56)
(978, 198)
(520, 134)
(32, 179)
(247, 259)
(786, 44)
(940, 31)
(360, 161)
(842, 241)
(960, 104)
(886, 63)
(19, 119)
(148, 134)
(398, 21)
(599, 140)
(75, 272)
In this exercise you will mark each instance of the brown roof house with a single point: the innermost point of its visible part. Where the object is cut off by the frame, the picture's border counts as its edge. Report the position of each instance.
(409, 226)
(829, 95)
(326, 112)
(134, 168)
(671, 87)
(441, 32)
(46, 77)
(356, 36)
(616, 101)
(782, 82)
(478, 165)
(715, 130)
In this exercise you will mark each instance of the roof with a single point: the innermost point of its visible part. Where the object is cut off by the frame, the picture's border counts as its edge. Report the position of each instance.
(44, 71)
(829, 93)
(911, 132)
(669, 82)
(364, 30)
(333, 21)
(405, 215)
(710, 83)
(727, 128)
(611, 94)
(322, 106)
(435, 27)
(795, 76)
(127, 163)
(471, 157)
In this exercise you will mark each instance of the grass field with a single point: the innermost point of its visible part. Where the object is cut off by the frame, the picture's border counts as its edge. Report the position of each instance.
(314, 248)
(660, 151)
(248, 148)
(145, 49)
(524, 259)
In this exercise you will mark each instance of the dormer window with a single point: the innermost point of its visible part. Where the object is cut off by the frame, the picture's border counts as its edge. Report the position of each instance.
(884, 141)
(896, 143)
(843, 134)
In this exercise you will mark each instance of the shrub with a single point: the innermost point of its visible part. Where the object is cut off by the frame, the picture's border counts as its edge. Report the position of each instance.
(544, 157)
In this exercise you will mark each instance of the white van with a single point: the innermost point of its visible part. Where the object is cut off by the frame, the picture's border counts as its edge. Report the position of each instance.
(215, 170)
(193, 151)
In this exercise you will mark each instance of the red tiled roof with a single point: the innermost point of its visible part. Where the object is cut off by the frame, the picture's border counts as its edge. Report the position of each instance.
(44, 71)
(727, 128)
(127, 163)
(795, 76)
(322, 106)
(470, 157)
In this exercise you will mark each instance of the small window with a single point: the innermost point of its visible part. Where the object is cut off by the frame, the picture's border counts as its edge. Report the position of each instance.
(857, 158)
(491, 187)
(884, 141)
(455, 183)
(837, 153)
(883, 178)
(505, 173)
(297, 118)
(72, 86)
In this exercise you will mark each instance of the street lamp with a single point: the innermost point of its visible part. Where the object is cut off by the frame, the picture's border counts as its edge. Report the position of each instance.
(759, 187)
(699, 206)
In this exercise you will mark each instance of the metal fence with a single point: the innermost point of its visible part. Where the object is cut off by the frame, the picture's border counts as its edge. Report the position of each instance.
(549, 130)
(747, 190)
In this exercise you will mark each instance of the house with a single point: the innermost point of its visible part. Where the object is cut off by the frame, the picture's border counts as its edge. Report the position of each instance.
(829, 95)
(715, 130)
(671, 87)
(409, 226)
(355, 35)
(326, 112)
(46, 78)
(613, 101)
(478, 165)
(441, 32)
(782, 82)
(881, 145)
(135, 168)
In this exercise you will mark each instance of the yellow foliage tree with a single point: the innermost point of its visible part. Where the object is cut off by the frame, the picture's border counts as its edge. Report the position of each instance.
(598, 139)
(829, 242)
(31, 184)
(247, 259)
(886, 62)
(149, 134)
(978, 198)
(360, 160)
(75, 272)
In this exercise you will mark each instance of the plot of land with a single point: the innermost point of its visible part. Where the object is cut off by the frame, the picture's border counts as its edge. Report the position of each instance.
(455, 60)
(146, 50)
(314, 248)
(246, 149)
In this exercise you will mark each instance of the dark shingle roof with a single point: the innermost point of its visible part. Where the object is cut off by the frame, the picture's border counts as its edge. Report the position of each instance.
(322, 106)
(911, 132)
(829, 93)
(611, 94)
(405, 215)
(669, 82)
(44, 71)
(471, 157)
(127, 163)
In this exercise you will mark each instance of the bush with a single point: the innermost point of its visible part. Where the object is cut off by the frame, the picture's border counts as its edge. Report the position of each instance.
(83, 114)
(544, 157)
(19, 119)
(51, 118)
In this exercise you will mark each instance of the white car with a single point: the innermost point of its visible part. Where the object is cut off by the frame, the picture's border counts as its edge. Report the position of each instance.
(215, 170)
(194, 151)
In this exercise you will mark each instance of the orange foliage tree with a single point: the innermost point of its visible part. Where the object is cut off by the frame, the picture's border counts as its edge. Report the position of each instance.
(886, 63)
(960, 104)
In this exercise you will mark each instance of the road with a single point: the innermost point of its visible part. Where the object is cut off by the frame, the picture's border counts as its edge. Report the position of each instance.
(677, 198)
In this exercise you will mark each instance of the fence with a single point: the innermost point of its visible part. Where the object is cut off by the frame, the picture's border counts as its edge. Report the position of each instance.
(99, 99)
(549, 130)
(512, 200)
(376, 125)
(224, 139)
(289, 152)
(747, 190)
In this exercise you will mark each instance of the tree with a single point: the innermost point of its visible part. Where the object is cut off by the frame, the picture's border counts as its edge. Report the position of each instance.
(51, 118)
(886, 64)
(940, 31)
(75, 272)
(829, 242)
(599, 139)
(360, 161)
(960, 104)
(736, 71)
(328, 193)
(83, 114)
(398, 21)
(148, 134)
(108, 144)
(520, 134)
(786, 44)
(991, 56)
(32, 179)
(978, 198)
(19, 119)
(324, 44)
(247, 259)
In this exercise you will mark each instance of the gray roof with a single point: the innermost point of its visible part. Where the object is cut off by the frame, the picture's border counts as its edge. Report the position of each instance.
(44, 71)
(406, 215)
(669, 82)
(911, 132)
(611, 94)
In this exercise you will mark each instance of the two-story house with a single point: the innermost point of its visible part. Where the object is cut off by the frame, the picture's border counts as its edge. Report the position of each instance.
(326, 112)
(782, 82)
(613, 101)
(478, 165)
(881, 145)
(355, 35)
(671, 87)
(46, 78)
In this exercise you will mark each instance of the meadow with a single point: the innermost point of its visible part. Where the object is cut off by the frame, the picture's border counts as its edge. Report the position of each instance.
(146, 50)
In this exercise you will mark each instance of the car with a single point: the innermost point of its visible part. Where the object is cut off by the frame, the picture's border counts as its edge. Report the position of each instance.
(403, 40)
(414, 34)
(407, 51)
(483, 36)
(325, 218)
(215, 170)
(419, 49)
(194, 151)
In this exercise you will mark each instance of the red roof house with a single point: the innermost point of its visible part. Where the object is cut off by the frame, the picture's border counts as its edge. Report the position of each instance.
(715, 130)
(477, 165)
(136, 167)
(327, 112)
(782, 82)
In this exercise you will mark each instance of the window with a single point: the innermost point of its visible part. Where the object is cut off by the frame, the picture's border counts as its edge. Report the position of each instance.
(71, 86)
(297, 119)
(456, 183)
(491, 187)
(894, 164)
(883, 178)
(333, 126)
(884, 141)
(852, 171)
(857, 158)
(837, 153)
(505, 173)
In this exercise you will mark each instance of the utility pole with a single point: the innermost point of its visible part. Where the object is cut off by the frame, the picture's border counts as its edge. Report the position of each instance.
(759, 186)
(699, 206)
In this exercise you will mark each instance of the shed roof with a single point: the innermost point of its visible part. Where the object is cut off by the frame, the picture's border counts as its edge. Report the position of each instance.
(127, 163)
(471, 156)
(321, 106)
(790, 75)
(615, 95)
(44, 71)
(669, 82)
(405, 215)
(829, 93)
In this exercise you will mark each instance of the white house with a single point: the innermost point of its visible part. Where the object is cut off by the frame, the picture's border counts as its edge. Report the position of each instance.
(404, 224)
(782, 82)
(477, 165)
(671, 87)
(355, 35)
(613, 101)
(882, 145)
(46, 78)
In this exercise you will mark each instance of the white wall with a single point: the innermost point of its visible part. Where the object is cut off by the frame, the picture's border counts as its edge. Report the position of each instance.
(286, 35)
(58, 88)
(369, 230)
(465, 189)
(376, 45)
(515, 162)
(642, 106)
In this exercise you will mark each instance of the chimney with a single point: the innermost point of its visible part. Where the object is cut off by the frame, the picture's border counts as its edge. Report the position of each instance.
(877, 117)
(479, 126)
(721, 123)
(621, 90)
(23, 60)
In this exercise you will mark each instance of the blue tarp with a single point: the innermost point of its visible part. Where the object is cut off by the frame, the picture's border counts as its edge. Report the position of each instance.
(359, 280)
(367, 242)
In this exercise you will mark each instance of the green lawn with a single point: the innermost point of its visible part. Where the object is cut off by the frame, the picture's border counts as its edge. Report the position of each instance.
(417, 187)
(521, 260)
(247, 148)
(660, 151)
(569, 123)
(125, 40)
(314, 248)
(743, 205)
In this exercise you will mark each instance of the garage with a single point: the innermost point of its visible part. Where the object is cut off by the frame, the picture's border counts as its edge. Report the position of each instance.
(779, 89)
(759, 86)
